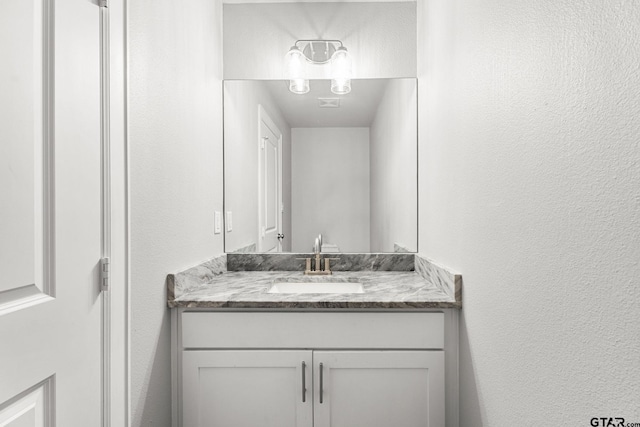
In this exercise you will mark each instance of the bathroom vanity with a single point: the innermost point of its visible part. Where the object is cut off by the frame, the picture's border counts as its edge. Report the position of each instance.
(243, 356)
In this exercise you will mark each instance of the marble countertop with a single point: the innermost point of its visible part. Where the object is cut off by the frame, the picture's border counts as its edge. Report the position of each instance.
(248, 289)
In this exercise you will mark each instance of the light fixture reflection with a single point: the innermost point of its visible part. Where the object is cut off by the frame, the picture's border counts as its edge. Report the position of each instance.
(299, 86)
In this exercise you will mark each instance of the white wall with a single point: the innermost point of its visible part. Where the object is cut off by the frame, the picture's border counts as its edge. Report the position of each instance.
(393, 169)
(175, 163)
(241, 100)
(530, 187)
(330, 187)
(381, 37)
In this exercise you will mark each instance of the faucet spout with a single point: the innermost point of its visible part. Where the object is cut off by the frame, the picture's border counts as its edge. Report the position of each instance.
(317, 244)
(316, 250)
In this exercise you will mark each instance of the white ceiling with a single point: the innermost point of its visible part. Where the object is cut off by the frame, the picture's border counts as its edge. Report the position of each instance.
(357, 109)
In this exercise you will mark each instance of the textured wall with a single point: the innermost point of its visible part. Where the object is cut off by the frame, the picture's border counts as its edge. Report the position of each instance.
(381, 37)
(175, 161)
(530, 187)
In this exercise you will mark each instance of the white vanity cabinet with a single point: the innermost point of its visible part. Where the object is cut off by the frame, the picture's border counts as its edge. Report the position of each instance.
(246, 388)
(311, 369)
(378, 388)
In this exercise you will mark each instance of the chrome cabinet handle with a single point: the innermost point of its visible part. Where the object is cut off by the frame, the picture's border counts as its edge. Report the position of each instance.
(304, 382)
(321, 383)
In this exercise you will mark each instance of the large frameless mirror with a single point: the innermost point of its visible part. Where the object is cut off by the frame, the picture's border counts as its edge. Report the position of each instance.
(297, 166)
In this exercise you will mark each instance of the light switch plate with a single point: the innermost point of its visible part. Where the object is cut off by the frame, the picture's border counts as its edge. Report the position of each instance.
(217, 222)
(229, 221)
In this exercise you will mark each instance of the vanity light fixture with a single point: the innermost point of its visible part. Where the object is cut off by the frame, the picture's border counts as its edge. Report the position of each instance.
(318, 52)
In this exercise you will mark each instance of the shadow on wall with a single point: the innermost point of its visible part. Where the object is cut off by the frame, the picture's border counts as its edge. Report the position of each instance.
(307, 13)
(470, 400)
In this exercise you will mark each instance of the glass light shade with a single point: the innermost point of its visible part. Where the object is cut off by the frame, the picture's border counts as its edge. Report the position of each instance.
(294, 64)
(341, 86)
(294, 68)
(341, 71)
(299, 86)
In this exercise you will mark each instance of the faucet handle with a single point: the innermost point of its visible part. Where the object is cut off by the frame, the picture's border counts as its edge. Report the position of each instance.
(327, 266)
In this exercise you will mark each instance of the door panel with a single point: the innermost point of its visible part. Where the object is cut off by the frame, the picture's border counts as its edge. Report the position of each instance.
(31, 408)
(246, 389)
(24, 106)
(50, 304)
(379, 388)
(271, 191)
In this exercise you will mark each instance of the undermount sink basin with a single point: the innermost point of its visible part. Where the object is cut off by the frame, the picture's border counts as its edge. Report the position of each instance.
(316, 288)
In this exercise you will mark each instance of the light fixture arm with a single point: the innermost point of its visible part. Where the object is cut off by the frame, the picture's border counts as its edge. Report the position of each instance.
(318, 51)
(338, 42)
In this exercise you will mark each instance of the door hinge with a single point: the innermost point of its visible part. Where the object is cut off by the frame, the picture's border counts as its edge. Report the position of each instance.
(103, 3)
(105, 281)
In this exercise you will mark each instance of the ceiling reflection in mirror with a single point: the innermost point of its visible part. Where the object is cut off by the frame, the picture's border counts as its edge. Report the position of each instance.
(296, 166)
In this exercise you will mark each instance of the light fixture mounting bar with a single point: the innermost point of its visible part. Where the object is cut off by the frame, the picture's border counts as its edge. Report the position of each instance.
(318, 51)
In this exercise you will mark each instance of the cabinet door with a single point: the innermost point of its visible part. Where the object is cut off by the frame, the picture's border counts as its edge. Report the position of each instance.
(379, 388)
(247, 389)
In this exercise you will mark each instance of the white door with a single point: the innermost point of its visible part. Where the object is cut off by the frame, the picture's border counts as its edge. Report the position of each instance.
(379, 388)
(50, 213)
(269, 184)
(247, 388)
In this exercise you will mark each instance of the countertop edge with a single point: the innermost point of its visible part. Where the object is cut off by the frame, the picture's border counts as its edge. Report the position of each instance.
(315, 304)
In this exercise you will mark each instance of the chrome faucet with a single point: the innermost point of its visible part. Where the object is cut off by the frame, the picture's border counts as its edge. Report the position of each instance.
(317, 244)
(317, 267)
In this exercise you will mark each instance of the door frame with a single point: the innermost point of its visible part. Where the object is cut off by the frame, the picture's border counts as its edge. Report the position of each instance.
(263, 117)
(116, 310)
